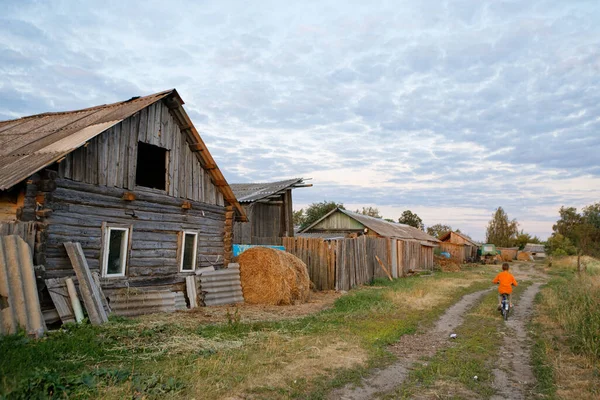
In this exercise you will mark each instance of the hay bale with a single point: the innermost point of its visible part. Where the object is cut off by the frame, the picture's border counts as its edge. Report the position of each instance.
(447, 264)
(270, 276)
(524, 256)
(300, 285)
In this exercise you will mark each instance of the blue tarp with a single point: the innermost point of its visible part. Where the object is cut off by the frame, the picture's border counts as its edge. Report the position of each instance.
(240, 248)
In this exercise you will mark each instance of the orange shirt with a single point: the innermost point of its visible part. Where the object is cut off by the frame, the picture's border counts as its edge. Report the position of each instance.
(506, 280)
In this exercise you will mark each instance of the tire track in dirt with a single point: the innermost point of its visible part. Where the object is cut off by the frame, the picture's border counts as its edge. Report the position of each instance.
(410, 348)
(513, 377)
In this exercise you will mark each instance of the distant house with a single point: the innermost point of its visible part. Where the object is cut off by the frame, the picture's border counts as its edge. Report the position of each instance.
(460, 246)
(536, 250)
(132, 181)
(339, 222)
(269, 209)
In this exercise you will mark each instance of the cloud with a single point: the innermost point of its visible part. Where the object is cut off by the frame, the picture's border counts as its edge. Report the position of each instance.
(452, 113)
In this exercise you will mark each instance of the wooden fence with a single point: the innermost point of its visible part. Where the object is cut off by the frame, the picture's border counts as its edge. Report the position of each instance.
(344, 263)
(26, 230)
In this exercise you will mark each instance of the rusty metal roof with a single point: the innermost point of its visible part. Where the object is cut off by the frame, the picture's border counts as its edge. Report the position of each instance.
(445, 237)
(382, 227)
(32, 143)
(249, 192)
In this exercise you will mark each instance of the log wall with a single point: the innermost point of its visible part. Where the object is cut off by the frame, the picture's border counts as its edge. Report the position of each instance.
(79, 211)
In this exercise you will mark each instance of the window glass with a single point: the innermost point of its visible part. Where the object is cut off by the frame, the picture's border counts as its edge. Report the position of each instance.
(189, 252)
(117, 251)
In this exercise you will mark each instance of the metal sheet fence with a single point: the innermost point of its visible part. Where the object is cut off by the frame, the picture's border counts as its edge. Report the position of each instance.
(344, 263)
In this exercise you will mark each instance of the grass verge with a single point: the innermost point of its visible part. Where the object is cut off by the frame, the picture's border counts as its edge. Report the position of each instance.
(297, 358)
(566, 354)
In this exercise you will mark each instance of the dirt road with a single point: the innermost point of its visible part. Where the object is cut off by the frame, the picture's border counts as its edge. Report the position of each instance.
(513, 377)
(410, 348)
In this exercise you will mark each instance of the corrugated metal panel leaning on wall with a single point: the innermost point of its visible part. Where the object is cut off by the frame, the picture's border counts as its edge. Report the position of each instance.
(19, 301)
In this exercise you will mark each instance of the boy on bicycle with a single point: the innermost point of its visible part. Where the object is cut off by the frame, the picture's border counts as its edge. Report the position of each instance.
(506, 281)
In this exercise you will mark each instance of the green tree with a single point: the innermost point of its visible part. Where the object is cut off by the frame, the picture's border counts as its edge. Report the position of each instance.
(502, 231)
(412, 219)
(569, 219)
(523, 238)
(316, 211)
(558, 244)
(438, 230)
(298, 217)
(370, 211)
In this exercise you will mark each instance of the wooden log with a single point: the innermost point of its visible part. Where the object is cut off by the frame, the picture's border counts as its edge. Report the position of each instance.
(87, 286)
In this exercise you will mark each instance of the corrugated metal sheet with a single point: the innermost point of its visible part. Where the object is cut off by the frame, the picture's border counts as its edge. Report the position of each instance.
(222, 286)
(130, 303)
(534, 248)
(249, 192)
(19, 302)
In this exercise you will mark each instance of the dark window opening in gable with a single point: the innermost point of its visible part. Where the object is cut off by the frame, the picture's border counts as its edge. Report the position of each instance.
(151, 169)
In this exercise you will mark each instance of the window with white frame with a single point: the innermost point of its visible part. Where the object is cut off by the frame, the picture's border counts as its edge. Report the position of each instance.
(116, 245)
(187, 256)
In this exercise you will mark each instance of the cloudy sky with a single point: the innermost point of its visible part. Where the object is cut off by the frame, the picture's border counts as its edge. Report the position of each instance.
(447, 108)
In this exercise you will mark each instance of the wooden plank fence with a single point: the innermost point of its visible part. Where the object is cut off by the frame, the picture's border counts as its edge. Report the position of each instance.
(345, 263)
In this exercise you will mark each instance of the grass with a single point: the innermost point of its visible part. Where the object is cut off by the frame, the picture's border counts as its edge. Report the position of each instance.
(298, 358)
(566, 354)
(473, 354)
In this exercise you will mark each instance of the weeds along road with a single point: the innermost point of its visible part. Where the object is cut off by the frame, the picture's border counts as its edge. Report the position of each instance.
(512, 376)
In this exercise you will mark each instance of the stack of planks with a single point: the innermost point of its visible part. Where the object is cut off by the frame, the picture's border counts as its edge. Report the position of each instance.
(222, 286)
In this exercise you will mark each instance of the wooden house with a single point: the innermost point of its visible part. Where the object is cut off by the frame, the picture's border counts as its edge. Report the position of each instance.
(268, 207)
(459, 246)
(417, 246)
(133, 182)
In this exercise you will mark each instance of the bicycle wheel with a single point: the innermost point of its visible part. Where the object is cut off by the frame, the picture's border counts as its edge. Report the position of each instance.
(505, 314)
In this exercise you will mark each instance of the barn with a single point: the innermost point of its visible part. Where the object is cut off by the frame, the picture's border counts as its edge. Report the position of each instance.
(460, 246)
(350, 224)
(132, 182)
(268, 207)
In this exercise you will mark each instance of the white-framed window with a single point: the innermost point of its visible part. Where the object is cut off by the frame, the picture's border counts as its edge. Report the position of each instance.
(188, 251)
(115, 249)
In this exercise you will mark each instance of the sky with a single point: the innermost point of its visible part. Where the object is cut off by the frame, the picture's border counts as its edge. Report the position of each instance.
(447, 108)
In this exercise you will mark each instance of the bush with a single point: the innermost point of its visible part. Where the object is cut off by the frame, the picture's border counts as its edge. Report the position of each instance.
(559, 253)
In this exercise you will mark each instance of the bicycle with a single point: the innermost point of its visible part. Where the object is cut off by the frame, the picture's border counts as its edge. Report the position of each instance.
(505, 310)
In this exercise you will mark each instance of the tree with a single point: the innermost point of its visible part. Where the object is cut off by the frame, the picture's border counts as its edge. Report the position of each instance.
(370, 211)
(412, 219)
(389, 220)
(316, 211)
(298, 217)
(558, 245)
(501, 231)
(439, 230)
(569, 219)
(582, 230)
(523, 238)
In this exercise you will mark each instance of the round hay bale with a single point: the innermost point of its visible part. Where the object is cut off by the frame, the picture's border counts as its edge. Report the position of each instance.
(270, 276)
(300, 285)
(524, 256)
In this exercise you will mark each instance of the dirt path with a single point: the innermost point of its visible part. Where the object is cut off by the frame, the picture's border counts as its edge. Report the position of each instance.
(409, 349)
(513, 376)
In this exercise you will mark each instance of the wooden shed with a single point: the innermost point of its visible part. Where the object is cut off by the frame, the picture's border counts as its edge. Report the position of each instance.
(132, 181)
(536, 250)
(460, 247)
(417, 245)
(269, 210)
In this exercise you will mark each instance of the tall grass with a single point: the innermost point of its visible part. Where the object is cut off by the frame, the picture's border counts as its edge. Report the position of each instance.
(573, 301)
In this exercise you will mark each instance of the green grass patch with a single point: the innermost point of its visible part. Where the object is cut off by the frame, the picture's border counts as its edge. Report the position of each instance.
(127, 358)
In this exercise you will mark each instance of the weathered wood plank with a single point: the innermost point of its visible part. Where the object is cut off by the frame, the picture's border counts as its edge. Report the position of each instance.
(87, 286)
(60, 298)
